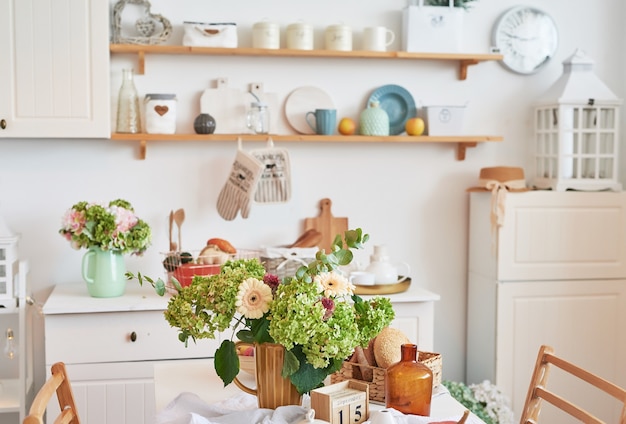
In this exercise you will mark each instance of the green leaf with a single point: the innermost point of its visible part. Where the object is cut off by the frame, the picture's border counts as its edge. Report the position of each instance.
(290, 364)
(245, 336)
(227, 362)
(159, 287)
(260, 329)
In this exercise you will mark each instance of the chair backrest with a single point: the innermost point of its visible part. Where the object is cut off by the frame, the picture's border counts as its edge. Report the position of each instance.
(58, 383)
(538, 391)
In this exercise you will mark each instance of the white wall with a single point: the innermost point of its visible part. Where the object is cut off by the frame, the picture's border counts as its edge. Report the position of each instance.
(411, 197)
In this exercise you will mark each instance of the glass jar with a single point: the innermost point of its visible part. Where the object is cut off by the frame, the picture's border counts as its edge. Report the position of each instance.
(409, 385)
(128, 109)
(160, 113)
(258, 118)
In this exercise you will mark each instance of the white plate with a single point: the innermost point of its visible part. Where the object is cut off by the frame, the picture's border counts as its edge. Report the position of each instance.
(303, 100)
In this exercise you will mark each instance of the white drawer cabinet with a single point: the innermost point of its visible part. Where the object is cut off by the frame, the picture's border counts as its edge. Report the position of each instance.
(110, 347)
(554, 273)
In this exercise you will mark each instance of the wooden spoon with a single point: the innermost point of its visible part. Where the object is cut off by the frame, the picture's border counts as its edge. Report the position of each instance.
(172, 244)
(179, 218)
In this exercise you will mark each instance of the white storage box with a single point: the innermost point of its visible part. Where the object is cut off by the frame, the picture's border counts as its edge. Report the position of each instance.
(200, 34)
(432, 29)
(444, 120)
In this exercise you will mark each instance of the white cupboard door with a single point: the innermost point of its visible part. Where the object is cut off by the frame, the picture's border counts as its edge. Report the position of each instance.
(54, 73)
(583, 320)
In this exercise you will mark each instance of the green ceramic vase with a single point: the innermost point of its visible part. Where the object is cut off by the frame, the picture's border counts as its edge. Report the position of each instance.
(104, 272)
(374, 120)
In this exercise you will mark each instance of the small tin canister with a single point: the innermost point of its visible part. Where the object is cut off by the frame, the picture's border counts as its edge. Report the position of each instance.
(338, 37)
(266, 35)
(160, 113)
(300, 36)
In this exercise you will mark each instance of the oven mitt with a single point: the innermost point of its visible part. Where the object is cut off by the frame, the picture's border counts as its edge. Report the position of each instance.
(274, 186)
(240, 186)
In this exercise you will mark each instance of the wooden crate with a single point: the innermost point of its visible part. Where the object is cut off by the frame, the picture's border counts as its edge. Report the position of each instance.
(352, 371)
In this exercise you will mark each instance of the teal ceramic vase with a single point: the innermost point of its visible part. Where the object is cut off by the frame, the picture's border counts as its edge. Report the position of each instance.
(104, 272)
(374, 120)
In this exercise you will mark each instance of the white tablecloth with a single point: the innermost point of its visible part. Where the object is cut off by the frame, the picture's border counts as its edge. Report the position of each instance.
(190, 392)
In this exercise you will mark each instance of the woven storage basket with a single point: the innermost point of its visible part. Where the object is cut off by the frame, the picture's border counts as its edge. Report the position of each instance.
(350, 370)
(282, 267)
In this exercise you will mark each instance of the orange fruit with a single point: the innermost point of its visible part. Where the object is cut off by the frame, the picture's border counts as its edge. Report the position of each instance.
(346, 126)
(415, 126)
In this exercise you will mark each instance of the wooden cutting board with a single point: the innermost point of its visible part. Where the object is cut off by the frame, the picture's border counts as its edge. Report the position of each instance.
(326, 224)
(227, 106)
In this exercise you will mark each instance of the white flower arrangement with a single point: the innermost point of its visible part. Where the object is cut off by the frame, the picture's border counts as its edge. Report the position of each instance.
(484, 399)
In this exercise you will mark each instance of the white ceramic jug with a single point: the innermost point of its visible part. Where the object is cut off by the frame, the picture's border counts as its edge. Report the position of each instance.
(384, 271)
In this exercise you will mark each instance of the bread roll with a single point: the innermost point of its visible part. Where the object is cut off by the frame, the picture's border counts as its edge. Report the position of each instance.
(387, 344)
(211, 255)
(222, 245)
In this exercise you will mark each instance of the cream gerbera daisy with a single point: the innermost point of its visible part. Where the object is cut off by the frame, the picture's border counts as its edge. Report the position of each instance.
(334, 284)
(253, 298)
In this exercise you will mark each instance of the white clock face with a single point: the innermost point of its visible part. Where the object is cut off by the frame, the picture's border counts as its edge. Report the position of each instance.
(526, 37)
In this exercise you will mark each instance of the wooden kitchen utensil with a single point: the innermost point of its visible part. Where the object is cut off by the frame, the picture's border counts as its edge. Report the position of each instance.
(227, 106)
(179, 218)
(173, 245)
(327, 224)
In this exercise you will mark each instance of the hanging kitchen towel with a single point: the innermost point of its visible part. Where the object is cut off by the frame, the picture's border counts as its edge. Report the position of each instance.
(240, 186)
(274, 185)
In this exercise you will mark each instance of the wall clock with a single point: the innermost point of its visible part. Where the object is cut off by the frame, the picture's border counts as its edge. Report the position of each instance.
(527, 38)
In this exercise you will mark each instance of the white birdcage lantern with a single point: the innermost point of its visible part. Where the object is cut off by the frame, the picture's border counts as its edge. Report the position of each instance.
(576, 131)
(8, 265)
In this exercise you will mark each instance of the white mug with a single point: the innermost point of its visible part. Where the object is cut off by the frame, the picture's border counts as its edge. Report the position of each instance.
(377, 38)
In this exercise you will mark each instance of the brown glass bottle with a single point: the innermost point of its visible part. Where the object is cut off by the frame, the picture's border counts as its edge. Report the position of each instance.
(409, 384)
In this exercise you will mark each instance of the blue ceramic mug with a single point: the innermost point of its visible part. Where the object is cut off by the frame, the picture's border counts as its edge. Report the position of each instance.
(325, 121)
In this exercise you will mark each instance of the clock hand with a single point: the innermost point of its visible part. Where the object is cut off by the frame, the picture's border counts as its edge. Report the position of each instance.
(518, 37)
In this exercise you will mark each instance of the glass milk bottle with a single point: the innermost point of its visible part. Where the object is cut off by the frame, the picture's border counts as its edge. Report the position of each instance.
(128, 110)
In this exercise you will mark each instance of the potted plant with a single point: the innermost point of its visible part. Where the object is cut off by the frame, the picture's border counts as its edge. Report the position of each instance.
(313, 315)
(107, 231)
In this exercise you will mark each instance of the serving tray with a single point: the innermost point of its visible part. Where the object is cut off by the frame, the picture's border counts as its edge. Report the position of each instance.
(383, 288)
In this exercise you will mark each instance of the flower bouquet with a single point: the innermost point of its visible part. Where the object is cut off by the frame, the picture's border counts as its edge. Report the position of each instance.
(313, 314)
(107, 227)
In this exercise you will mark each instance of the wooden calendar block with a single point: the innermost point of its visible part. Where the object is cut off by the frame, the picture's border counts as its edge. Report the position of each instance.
(346, 402)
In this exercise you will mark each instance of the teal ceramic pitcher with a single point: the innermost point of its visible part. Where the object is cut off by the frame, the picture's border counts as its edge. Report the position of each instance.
(103, 271)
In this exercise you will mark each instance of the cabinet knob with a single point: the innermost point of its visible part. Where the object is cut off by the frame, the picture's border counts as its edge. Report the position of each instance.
(3, 123)
(133, 336)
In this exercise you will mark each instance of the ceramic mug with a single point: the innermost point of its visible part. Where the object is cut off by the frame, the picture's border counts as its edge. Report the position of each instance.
(325, 121)
(377, 38)
(362, 278)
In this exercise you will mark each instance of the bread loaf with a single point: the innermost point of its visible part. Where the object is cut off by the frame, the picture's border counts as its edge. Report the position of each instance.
(387, 344)
(222, 245)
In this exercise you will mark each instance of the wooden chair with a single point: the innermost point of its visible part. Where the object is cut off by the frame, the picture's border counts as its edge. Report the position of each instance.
(59, 383)
(538, 391)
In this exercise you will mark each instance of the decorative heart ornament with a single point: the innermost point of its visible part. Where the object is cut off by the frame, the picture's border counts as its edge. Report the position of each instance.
(161, 110)
(147, 26)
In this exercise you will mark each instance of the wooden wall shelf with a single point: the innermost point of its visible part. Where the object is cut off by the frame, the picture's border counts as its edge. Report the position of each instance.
(464, 59)
(463, 142)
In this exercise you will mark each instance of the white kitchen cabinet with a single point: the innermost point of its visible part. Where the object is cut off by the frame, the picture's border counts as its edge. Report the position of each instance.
(109, 346)
(54, 73)
(555, 274)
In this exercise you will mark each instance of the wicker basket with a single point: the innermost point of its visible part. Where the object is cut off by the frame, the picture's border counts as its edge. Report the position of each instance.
(284, 262)
(352, 371)
(184, 268)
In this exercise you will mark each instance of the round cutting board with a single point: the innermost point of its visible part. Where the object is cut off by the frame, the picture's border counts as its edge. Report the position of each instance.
(303, 100)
